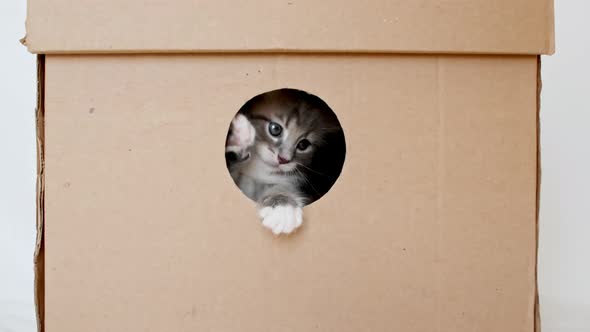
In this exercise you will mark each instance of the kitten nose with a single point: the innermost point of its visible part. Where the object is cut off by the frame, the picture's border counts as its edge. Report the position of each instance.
(283, 160)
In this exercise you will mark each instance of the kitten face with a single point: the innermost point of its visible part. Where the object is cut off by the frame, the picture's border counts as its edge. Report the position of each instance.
(283, 143)
(289, 130)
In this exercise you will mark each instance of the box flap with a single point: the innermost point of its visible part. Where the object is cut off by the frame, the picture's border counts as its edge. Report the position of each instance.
(182, 26)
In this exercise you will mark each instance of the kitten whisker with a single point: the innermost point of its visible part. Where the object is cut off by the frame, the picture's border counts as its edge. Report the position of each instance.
(307, 181)
(329, 128)
(313, 170)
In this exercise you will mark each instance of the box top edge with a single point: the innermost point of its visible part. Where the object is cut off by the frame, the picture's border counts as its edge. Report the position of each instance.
(302, 26)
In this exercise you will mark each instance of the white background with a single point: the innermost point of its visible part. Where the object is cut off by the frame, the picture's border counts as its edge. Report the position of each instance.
(564, 270)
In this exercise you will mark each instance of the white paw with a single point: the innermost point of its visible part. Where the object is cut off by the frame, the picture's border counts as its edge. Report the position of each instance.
(282, 218)
(242, 134)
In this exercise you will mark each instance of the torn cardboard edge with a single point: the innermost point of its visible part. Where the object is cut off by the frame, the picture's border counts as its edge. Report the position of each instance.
(537, 313)
(39, 257)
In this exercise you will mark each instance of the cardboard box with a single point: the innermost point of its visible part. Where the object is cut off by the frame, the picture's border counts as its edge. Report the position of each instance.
(430, 227)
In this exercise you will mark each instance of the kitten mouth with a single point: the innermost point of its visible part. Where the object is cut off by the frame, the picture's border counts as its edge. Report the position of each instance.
(287, 167)
(284, 169)
(285, 173)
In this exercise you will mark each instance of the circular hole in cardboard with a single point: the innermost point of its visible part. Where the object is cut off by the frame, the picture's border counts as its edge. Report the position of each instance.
(286, 138)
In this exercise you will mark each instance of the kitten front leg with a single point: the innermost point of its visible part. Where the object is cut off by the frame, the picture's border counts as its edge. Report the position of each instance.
(240, 139)
(281, 212)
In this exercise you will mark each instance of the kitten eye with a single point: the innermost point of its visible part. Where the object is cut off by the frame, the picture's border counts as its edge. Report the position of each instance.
(274, 129)
(303, 145)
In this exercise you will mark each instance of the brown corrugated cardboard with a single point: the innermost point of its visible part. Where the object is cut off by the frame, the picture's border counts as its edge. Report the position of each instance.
(39, 257)
(431, 225)
(424, 26)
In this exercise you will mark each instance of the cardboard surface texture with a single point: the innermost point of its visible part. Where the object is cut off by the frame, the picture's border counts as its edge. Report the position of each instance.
(430, 227)
(424, 26)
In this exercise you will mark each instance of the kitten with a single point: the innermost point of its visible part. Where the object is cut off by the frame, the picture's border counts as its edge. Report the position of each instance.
(284, 150)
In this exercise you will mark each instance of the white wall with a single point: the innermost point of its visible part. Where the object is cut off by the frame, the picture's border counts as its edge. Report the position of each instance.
(564, 269)
(17, 171)
(564, 253)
